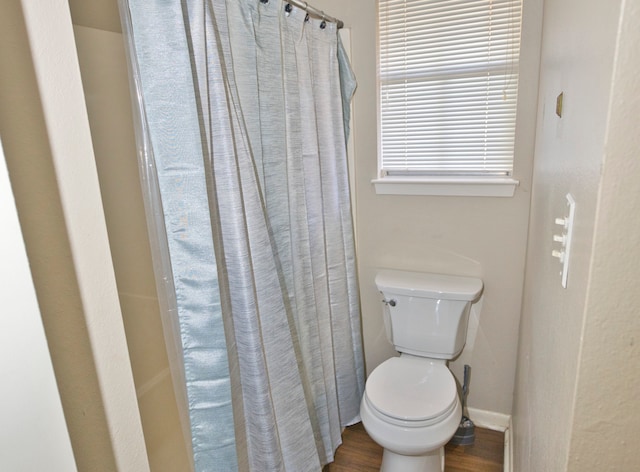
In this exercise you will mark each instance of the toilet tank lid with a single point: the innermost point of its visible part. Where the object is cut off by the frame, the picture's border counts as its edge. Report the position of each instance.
(427, 285)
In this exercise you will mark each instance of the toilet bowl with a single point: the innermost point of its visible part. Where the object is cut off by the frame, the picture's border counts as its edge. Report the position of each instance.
(410, 406)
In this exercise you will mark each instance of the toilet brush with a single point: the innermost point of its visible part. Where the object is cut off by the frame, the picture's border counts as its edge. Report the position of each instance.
(465, 435)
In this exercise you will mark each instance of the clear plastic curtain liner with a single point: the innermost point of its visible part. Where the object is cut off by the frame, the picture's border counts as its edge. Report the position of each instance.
(244, 106)
(161, 62)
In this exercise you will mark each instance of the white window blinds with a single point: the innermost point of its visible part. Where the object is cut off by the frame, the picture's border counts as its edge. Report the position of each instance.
(448, 75)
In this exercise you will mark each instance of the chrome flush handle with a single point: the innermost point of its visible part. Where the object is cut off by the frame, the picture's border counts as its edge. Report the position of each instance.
(391, 302)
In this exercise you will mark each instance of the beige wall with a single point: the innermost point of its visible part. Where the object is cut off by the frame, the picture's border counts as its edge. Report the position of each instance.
(572, 410)
(478, 236)
(574, 400)
(106, 86)
(484, 237)
(48, 149)
(30, 406)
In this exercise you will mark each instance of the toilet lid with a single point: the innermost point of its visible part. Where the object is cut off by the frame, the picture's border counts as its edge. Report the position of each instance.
(411, 389)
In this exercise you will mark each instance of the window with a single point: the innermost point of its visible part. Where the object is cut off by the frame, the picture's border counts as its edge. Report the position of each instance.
(448, 81)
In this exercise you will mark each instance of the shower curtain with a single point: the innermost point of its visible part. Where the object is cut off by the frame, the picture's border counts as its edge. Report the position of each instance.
(243, 117)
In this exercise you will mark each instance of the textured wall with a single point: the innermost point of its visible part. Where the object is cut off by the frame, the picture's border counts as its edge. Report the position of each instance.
(578, 49)
(607, 414)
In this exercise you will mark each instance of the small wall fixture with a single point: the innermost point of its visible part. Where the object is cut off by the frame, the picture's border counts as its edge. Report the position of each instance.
(559, 104)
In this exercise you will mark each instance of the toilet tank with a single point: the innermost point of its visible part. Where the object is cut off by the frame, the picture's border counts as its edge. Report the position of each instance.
(427, 314)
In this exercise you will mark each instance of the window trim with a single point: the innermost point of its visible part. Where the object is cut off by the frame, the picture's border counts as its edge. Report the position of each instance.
(446, 186)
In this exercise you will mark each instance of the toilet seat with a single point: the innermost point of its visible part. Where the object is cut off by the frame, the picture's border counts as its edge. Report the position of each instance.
(411, 392)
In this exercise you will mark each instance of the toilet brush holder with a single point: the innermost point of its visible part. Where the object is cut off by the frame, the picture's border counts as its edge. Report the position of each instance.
(465, 434)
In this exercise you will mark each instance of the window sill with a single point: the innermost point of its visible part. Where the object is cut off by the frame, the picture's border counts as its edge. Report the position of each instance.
(446, 186)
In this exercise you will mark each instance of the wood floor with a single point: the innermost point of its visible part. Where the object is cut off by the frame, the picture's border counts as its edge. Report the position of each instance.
(359, 453)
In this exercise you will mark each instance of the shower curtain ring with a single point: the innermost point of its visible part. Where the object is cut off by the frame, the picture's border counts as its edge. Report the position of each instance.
(306, 8)
(323, 25)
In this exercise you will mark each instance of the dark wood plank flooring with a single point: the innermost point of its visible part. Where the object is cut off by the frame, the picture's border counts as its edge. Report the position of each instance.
(358, 453)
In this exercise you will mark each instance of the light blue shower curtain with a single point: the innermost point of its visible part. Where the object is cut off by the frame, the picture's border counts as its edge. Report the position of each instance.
(243, 129)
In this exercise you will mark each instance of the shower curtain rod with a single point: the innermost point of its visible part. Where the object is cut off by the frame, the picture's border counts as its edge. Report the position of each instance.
(315, 12)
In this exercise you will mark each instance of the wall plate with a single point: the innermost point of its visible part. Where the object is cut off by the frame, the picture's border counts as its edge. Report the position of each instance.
(564, 238)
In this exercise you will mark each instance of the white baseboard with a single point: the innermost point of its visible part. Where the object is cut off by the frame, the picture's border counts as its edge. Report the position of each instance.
(496, 422)
(508, 447)
(489, 419)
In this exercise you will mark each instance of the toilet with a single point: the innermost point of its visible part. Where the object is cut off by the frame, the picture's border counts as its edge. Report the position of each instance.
(410, 406)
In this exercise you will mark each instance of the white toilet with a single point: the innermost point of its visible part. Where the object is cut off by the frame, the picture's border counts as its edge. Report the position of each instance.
(410, 405)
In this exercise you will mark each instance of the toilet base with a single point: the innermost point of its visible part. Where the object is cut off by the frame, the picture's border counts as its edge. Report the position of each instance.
(430, 462)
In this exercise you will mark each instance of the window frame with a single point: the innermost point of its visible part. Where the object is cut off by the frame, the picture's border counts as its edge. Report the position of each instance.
(444, 185)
